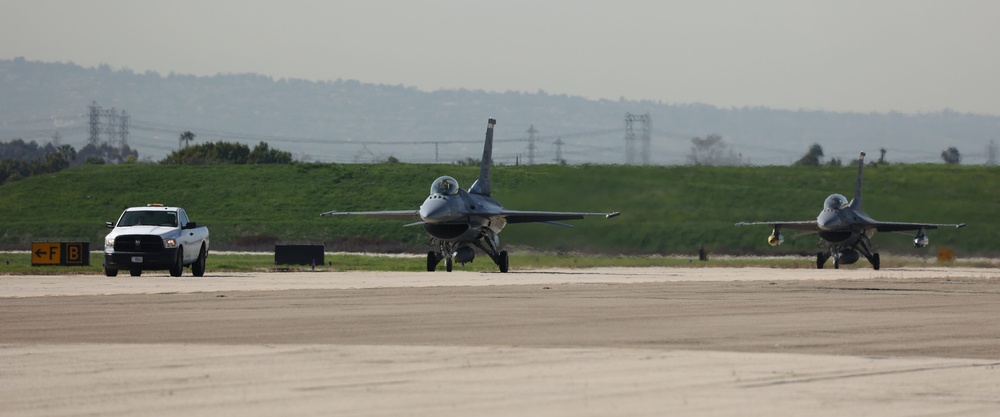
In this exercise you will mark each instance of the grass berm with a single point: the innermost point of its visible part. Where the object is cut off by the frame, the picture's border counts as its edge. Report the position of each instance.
(665, 209)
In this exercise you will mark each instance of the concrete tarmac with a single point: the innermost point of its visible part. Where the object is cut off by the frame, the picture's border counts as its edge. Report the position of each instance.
(606, 341)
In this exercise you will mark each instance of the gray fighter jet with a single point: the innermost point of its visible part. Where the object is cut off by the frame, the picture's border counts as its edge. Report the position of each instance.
(457, 219)
(845, 231)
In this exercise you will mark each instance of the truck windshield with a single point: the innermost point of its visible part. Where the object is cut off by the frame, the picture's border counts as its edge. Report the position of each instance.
(148, 218)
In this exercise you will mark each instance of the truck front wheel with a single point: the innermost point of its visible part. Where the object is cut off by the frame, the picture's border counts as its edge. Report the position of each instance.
(178, 267)
(110, 272)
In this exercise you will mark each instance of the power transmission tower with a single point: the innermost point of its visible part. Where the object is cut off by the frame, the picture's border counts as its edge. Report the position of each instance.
(630, 138)
(647, 133)
(95, 123)
(111, 130)
(531, 144)
(123, 121)
(559, 143)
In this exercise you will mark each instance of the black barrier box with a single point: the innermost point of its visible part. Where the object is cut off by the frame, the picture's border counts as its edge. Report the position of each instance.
(298, 254)
(60, 253)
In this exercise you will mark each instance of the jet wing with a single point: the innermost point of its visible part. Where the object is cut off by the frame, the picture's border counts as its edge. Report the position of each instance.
(408, 215)
(798, 225)
(902, 227)
(517, 216)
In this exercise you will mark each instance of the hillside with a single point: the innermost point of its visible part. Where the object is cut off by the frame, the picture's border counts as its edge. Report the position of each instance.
(349, 121)
(666, 210)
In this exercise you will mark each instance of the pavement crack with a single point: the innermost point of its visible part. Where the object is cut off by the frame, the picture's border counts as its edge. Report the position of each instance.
(807, 380)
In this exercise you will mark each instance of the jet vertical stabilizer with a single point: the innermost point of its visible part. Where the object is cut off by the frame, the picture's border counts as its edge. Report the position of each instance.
(856, 202)
(482, 185)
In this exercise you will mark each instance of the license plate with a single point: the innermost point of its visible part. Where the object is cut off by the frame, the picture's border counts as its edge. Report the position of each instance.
(137, 259)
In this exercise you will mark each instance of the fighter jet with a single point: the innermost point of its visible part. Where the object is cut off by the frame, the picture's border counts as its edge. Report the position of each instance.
(845, 231)
(457, 220)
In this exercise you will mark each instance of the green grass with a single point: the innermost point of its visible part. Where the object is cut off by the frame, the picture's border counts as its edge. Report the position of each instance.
(666, 210)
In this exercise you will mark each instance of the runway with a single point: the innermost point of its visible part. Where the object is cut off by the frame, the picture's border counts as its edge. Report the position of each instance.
(607, 341)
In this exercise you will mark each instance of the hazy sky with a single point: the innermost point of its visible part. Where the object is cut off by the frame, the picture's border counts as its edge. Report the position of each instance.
(840, 55)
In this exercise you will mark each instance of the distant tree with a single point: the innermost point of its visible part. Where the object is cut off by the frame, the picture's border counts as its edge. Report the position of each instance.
(991, 153)
(227, 153)
(469, 162)
(811, 158)
(209, 153)
(365, 155)
(68, 151)
(107, 153)
(392, 160)
(835, 162)
(19, 149)
(53, 162)
(712, 150)
(13, 169)
(263, 154)
(185, 139)
(951, 156)
(881, 158)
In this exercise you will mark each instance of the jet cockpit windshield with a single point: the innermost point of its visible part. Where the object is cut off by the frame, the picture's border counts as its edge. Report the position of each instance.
(835, 202)
(444, 185)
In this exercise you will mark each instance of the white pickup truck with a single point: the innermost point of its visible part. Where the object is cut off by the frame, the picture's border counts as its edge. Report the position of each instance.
(155, 237)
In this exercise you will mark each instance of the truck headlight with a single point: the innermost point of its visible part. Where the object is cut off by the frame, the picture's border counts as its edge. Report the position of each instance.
(169, 243)
(109, 242)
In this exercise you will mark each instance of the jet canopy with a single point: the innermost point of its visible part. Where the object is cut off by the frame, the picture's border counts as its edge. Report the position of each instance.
(835, 202)
(444, 185)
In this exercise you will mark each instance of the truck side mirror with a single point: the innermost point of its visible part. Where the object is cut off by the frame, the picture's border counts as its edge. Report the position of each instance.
(190, 225)
(109, 225)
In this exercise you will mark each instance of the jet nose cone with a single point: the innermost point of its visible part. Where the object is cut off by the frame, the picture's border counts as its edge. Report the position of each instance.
(435, 209)
(829, 220)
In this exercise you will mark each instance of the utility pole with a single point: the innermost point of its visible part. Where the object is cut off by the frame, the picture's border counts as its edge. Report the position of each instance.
(559, 143)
